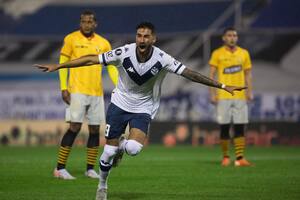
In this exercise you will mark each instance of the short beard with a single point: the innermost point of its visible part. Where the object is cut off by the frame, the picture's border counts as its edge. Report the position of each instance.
(89, 34)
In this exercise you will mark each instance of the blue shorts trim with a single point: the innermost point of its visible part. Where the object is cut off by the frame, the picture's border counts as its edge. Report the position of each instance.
(117, 120)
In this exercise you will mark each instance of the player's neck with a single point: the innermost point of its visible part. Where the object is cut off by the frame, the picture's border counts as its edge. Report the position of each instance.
(231, 48)
(144, 56)
(87, 35)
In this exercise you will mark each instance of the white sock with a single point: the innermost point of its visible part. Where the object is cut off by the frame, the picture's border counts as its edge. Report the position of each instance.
(122, 144)
(106, 160)
(103, 179)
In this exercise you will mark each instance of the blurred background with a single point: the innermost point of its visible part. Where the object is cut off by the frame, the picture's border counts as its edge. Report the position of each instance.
(31, 31)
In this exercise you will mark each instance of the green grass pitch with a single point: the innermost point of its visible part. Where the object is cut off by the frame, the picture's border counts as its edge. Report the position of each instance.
(157, 173)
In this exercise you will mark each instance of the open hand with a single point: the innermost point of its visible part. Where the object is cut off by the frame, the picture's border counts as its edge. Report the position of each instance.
(213, 99)
(47, 68)
(231, 89)
(66, 96)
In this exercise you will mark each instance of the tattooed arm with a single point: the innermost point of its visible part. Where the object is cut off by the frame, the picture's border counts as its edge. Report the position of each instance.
(199, 78)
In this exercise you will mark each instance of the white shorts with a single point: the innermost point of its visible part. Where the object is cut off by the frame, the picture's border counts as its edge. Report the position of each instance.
(81, 106)
(234, 110)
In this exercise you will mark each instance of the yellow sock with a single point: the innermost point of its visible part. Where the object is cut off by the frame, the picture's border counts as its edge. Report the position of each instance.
(239, 145)
(92, 153)
(63, 155)
(225, 147)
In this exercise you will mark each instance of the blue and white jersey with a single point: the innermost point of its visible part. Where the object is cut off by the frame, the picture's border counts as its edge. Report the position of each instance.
(139, 84)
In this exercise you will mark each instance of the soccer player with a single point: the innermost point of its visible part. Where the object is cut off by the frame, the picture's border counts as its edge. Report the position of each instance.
(232, 65)
(135, 100)
(82, 92)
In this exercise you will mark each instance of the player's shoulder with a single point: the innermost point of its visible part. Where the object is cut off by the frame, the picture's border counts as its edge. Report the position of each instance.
(125, 50)
(159, 53)
(243, 50)
(72, 35)
(128, 48)
(219, 50)
(101, 38)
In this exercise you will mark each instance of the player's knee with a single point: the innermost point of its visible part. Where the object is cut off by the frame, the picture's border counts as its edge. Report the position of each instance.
(107, 156)
(110, 151)
(133, 147)
(239, 130)
(75, 127)
(93, 129)
(225, 131)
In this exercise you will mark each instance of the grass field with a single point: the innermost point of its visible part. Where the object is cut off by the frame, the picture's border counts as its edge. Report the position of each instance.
(157, 173)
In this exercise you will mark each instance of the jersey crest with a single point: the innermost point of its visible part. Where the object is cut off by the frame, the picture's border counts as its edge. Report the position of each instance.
(140, 79)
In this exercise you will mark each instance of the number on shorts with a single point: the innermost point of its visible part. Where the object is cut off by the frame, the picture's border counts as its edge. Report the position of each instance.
(107, 130)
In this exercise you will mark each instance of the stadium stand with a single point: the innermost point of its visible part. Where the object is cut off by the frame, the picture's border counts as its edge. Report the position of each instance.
(177, 17)
(278, 14)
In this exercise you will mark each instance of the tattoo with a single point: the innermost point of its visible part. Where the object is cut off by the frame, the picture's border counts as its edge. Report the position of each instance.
(199, 78)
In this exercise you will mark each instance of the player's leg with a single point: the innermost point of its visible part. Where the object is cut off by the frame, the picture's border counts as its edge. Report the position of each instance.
(116, 120)
(239, 140)
(74, 114)
(139, 125)
(64, 151)
(240, 119)
(134, 144)
(92, 148)
(95, 116)
(224, 119)
(225, 143)
(106, 159)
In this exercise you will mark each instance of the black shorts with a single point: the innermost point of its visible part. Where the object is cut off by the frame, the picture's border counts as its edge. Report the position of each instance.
(117, 120)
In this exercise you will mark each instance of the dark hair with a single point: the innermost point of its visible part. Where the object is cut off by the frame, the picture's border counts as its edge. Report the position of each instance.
(148, 25)
(228, 29)
(89, 12)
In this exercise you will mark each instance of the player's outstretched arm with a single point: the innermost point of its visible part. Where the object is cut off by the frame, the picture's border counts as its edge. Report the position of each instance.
(83, 61)
(199, 78)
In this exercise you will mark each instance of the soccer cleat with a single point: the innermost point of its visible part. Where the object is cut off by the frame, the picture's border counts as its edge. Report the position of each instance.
(63, 174)
(118, 157)
(101, 194)
(91, 174)
(242, 163)
(225, 161)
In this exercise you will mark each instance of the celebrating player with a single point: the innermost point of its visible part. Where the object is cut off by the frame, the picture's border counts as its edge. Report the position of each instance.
(135, 100)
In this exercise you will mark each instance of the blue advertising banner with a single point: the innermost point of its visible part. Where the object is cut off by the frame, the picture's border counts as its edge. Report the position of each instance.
(183, 106)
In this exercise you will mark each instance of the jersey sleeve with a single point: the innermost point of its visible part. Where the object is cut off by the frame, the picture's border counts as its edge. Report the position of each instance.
(63, 73)
(173, 65)
(113, 57)
(66, 49)
(213, 61)
(107, 46)
(111, 69)
(247, 63)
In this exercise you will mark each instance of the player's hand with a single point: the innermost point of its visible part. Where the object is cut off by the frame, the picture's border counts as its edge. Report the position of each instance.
(231, 89)
(47, 68)
(249, 96)
(66, 96)
(213, 99)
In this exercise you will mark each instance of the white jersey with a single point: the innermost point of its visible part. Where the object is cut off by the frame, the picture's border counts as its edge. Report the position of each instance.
(139, 84)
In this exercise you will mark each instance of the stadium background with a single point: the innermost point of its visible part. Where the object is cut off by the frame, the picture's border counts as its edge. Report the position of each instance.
(31, 109)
